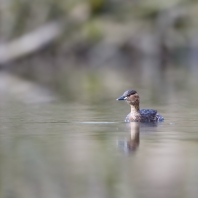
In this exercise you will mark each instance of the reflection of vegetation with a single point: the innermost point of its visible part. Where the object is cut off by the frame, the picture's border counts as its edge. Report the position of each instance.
(93, 86)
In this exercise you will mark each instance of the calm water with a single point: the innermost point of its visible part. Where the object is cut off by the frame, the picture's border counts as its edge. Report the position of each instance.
(76, 150)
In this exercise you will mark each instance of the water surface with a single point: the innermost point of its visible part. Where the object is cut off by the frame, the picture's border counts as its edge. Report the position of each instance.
(66, 149)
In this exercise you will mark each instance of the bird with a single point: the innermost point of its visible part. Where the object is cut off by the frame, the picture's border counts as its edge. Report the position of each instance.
(137, 115)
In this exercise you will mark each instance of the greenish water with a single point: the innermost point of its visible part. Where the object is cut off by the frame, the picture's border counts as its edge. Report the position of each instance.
(80, 150)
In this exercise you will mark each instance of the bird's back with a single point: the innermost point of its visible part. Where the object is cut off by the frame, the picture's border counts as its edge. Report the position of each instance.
(148, 115)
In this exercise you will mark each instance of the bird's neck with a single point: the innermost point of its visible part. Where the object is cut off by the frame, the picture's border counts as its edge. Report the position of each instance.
(135, 113)
(135, 109)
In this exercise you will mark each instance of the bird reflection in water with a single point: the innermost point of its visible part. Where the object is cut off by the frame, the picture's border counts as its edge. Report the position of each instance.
(134, 140)
(132, 143)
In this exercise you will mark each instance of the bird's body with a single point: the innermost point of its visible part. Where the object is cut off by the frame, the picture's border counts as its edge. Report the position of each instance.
(147, 115)
(137, 115)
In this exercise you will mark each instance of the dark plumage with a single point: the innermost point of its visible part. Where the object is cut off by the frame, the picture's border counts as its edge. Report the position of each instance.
(147, 115)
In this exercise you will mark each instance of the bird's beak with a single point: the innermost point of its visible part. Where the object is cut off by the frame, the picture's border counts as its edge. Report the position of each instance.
(122, 98)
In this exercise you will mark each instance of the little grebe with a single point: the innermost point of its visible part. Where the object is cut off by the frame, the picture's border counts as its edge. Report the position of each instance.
(137, 115)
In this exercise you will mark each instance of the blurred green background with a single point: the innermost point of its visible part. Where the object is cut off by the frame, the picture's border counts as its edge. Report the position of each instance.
(90, 47)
